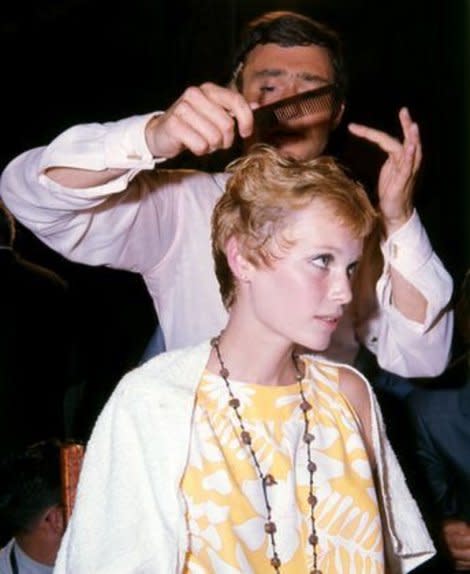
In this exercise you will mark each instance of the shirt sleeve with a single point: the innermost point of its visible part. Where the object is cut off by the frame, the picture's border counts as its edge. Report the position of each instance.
(110, 224)
(402, 346)
(96, 146)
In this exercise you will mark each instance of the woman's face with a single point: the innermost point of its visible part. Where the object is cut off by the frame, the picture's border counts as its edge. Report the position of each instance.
(302, 295)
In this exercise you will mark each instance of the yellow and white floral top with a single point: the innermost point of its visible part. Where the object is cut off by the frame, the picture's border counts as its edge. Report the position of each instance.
(226, 511)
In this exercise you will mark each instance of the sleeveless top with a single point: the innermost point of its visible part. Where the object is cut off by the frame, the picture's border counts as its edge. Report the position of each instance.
(226, 511)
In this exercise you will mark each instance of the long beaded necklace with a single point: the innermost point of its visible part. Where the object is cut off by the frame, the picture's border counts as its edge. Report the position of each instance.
(268, 480)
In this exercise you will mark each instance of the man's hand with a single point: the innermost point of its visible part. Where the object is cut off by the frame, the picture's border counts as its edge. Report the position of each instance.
(398, 174)
(204, 119)
(456, 535)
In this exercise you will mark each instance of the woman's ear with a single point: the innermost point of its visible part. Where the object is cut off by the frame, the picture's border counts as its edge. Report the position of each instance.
(239, 265)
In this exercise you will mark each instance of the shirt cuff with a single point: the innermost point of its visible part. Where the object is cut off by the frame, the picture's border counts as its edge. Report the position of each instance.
(125, 146)
(408, 248)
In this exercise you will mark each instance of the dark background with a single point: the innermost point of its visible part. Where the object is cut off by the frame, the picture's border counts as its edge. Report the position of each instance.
(74, 61)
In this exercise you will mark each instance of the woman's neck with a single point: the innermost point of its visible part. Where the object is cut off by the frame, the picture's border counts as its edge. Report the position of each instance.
(254, 358)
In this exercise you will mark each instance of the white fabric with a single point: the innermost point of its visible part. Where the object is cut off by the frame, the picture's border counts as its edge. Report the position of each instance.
(26, 565)
(160, 227)
(136, 457)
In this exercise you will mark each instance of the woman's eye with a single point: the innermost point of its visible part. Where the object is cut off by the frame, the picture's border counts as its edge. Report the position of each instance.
(267, 89)
(322, 261)
(351, 270)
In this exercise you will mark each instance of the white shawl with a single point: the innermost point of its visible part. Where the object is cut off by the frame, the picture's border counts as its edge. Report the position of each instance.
(144, 531)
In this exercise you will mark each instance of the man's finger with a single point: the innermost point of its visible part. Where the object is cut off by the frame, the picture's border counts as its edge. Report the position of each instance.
(384, 141)
(233, 103)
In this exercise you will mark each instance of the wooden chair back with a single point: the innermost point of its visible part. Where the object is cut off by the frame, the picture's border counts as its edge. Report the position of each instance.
(71, 458)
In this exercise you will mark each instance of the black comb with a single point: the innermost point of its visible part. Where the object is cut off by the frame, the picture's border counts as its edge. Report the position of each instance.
(323, 99)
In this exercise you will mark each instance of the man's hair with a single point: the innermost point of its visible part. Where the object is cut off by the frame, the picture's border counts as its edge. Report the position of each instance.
(289, 29)
(30, 483)
(264, 190)
(7, 226)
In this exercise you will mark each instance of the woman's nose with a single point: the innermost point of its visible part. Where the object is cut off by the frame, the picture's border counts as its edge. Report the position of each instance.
(341, 290)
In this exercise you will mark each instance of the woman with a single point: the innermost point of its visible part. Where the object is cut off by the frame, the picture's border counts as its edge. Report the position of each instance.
(243, 455)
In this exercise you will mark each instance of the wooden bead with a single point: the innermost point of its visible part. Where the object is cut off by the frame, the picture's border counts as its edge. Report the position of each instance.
(270, 527)
(308, 437)
(246, 437)
(313, 539)
(311, 466)
(312, 499)
(269, 480)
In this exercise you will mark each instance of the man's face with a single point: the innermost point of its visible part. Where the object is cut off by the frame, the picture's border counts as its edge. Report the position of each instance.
(271, 73)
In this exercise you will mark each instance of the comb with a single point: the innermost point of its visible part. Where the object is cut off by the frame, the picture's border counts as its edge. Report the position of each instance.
(323, 99)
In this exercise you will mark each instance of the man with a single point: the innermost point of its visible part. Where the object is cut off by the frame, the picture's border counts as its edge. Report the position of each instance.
(95, 195)
(30, 509)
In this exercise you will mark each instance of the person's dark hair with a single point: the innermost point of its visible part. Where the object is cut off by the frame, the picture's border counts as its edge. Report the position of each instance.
(291, 29)
(29, 484)
(7, 226)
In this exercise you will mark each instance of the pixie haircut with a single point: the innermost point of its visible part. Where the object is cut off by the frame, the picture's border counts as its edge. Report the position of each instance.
(264, 190)
(288, 29)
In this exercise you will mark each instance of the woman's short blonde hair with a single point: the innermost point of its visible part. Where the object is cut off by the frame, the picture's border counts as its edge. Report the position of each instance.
(264, 190)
